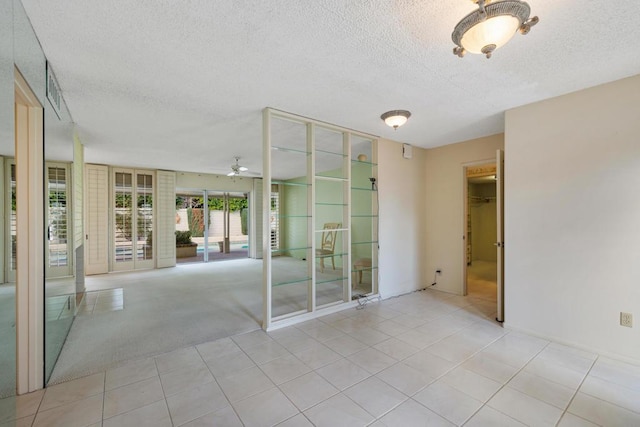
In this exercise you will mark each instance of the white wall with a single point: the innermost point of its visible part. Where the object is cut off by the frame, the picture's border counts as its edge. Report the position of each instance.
(443, 211)
(402, 219)
(483, 222)
(573, 217)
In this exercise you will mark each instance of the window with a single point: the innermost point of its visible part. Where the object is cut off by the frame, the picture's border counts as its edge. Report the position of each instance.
(132, 224)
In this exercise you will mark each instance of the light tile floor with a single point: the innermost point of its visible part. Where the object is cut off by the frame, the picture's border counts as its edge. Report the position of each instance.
(425, 358)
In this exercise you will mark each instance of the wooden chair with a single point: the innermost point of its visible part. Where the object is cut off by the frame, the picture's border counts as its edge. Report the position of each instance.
(328, 243)
(359, 266)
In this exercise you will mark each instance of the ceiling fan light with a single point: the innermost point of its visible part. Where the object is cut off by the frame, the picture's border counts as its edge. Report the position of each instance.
(396, 118)
(236, 168)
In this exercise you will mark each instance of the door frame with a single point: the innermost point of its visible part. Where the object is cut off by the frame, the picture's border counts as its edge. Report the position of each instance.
(465, 213)
(29, 138)
(226, 196)
(498, 161)
(500, 234)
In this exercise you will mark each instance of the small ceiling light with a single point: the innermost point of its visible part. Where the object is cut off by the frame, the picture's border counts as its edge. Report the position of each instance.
(396, 118)
(491, 26)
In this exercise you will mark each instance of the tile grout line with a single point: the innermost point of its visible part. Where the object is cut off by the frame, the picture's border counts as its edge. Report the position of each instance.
(339, 391)
(505, 385)
(104, 396)
(578, 390)
(35, 415)
(604, 400)
(411, 397)
(459, 364)
(345, 334)
(155, 363)
(595, 397)
(276, 385)
(400, 361)
(216, 379)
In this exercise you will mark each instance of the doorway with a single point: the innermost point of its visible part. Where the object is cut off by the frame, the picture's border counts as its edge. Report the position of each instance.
(483, 239)
(481, 258)
(225, 233)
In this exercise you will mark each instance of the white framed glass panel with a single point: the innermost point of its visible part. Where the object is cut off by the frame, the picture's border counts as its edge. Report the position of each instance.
(313, 262)
(123, 218)
(329, 153)
(144, 221)
(132, 220)
(290, 268)
(364, 217)
(58, 254)
(12, 254)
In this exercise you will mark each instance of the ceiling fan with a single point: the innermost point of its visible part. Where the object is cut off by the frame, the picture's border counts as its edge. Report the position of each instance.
(236, 168)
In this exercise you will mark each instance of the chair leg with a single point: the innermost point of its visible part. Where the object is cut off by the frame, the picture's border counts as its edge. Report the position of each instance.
(359, 276)
(321, 264)
(333, 262)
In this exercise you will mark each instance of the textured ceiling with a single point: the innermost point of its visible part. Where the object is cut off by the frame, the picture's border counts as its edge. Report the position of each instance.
(181, 84)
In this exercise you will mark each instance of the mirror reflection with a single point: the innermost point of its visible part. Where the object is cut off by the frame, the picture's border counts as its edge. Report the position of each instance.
(289, 218)
(61, 243)
(7, 194)
(60, 284)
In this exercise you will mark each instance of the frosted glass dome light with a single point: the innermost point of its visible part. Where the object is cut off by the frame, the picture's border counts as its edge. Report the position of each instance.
(491, 26)
(396, 118)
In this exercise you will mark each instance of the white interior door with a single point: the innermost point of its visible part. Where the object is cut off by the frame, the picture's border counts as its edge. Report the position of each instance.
(500, 234)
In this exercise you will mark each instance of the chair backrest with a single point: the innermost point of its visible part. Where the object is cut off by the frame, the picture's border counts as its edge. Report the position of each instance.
(329, 235)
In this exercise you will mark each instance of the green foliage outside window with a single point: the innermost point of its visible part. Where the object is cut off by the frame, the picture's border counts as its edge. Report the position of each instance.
(183, 237)
(195, 211)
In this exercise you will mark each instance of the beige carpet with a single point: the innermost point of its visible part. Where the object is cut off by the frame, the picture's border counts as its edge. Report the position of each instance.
(163, 310)
(172, 308)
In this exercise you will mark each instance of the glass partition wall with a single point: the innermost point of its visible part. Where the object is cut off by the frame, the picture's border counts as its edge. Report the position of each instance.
(320, 243)
(331, 222)
(290, 262)
(364, 217)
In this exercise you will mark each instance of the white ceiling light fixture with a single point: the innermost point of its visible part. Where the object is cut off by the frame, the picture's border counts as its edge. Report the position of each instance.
(236, 168)
(491, 26)
(396, 118)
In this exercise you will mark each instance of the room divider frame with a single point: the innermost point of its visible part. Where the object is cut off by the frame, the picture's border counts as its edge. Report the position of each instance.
(325, 177)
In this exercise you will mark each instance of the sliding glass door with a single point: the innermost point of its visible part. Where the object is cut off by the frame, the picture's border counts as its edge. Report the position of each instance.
(218, 227)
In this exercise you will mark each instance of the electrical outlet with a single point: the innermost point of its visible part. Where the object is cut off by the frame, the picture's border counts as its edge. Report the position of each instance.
(626, 319)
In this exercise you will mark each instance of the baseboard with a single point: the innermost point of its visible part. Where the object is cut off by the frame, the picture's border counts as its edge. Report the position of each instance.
(598, 351)
(314, 315)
